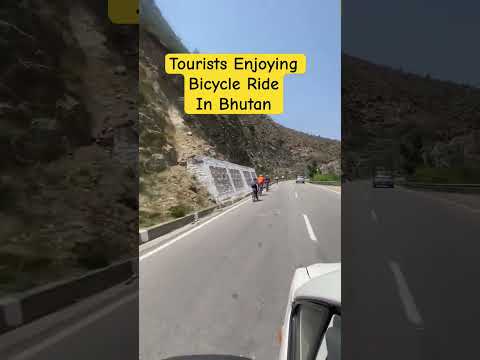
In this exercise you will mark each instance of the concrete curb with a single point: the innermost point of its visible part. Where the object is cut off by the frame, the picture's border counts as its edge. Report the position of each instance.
(459, 188)
(23, 308)
(156, 231)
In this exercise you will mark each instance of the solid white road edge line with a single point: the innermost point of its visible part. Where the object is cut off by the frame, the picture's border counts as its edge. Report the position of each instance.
(309, 228)
(173, 241)
(29, 352)
(406, 296)
(326, 188)
(446, 201)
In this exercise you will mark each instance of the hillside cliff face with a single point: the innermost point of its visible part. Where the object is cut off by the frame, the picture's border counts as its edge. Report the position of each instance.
(406, 121)
(68, 85)
(169, 137)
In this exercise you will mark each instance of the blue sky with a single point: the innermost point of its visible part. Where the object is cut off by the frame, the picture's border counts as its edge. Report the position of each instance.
(441, 37)
(310, 27)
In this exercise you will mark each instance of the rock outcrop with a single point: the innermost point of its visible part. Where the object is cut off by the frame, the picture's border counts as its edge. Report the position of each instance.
(68, 191)
(406, 121)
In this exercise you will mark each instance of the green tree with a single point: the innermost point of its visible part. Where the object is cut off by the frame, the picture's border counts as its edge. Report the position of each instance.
(312, 168)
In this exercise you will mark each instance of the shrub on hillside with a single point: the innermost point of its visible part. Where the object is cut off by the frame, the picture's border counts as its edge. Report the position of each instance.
(179, 211)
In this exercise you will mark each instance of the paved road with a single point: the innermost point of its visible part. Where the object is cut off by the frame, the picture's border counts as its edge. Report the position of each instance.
(223, 288)
(220, 288)
(410, 290)
(411, 274)
(104, 326)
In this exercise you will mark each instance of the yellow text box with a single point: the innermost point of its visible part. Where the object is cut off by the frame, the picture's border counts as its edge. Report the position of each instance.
(234, 83)
(123, 11)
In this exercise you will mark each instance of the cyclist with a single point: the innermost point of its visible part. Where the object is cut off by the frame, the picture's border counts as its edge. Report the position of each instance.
(261, 183)
(254, 186)
(267, 182)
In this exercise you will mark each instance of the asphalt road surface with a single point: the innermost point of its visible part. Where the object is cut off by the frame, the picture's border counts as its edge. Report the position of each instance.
(104, 326)
(410, 281)
(222, 289)
(410, 273)
(219, 287)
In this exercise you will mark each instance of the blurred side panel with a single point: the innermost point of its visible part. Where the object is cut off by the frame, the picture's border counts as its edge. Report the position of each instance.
(68, 182)
(411, 191)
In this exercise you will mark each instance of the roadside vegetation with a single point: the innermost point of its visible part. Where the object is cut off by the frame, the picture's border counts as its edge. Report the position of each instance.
(180, 210)
(446, 175)
(316, 173)
(325, 177)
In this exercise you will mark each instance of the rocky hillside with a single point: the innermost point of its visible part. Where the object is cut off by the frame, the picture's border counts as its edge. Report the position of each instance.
(169, 137)
(406, 121)
(68, 114)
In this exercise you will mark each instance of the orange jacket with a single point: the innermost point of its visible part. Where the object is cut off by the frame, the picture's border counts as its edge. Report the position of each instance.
(261, 179)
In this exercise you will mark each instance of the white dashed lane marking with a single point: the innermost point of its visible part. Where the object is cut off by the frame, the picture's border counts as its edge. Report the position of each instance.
(309, 228)
(409, 305)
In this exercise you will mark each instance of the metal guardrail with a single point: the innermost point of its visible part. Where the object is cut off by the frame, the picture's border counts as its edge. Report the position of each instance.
(465, 188)
(331, 183)
(23, 308)
(158, 230)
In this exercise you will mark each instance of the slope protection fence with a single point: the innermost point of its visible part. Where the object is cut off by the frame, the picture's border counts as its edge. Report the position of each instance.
(224, 180)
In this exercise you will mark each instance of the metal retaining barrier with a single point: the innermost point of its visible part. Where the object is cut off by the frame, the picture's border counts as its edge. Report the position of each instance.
(23, 308)
(156, 231)
(461, 188)
(330, 183)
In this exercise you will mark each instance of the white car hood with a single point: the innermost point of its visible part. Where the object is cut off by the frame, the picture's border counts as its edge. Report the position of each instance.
(321, 269)
(325, 288)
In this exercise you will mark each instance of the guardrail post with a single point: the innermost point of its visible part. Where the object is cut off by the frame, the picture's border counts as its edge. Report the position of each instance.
(143, 236)
(12, 311)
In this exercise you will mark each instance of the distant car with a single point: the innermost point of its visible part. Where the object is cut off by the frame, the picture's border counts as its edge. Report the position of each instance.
(312, 322)
(300, 179)
(383, 180)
